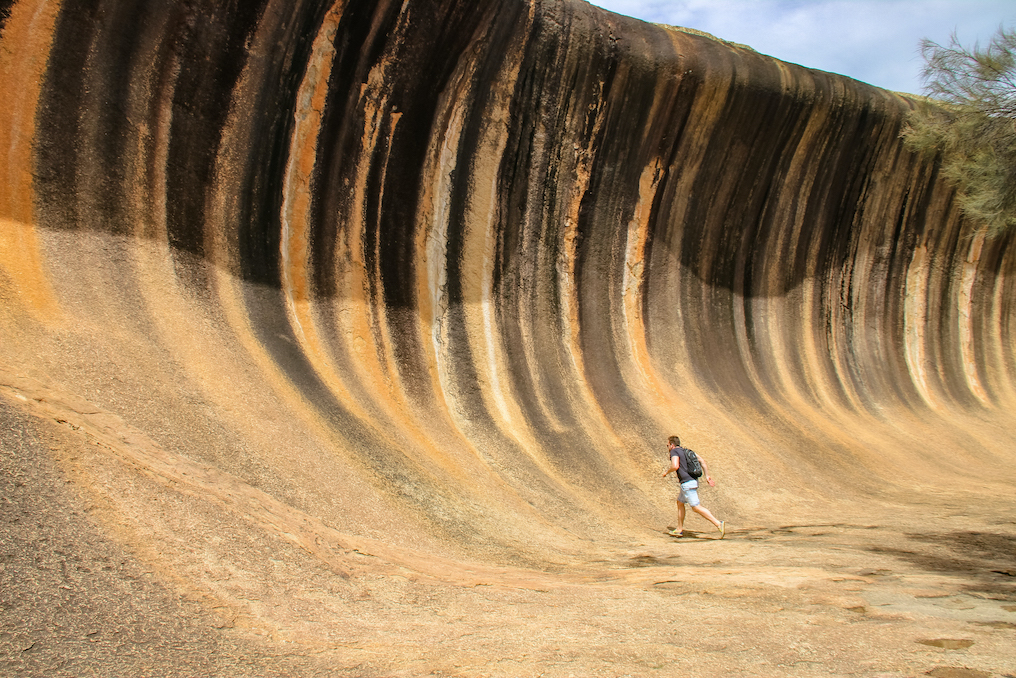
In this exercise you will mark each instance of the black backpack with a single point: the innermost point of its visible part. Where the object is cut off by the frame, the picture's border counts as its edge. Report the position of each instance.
(692, 464)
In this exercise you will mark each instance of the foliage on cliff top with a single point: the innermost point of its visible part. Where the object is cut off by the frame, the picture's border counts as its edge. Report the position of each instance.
(970, 119)
(703, 34)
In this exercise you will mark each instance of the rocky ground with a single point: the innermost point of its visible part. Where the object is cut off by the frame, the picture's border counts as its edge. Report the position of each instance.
(93, 585)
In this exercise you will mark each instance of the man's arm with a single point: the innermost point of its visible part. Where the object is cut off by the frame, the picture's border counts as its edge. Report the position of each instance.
(705, 470)
(674, 463)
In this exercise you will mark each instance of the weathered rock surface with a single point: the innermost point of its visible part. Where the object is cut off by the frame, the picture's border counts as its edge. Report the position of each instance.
(352, 307)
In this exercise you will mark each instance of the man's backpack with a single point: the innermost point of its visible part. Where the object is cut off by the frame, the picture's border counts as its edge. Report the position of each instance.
(692, 464)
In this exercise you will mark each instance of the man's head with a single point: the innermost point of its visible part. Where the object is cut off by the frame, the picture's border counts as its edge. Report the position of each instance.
(674, 441)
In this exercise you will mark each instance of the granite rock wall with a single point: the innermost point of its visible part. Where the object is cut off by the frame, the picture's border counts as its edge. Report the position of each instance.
(446, 273)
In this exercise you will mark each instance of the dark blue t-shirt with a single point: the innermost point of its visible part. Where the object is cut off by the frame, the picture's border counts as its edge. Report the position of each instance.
(682, 468)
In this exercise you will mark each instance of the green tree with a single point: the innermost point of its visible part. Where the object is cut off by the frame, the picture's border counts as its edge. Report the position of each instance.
(969, 117)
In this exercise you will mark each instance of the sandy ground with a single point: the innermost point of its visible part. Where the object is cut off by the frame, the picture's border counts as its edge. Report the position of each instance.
(109, 569)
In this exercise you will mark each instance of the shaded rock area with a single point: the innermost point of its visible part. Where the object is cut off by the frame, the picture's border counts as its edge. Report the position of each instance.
(344, 338)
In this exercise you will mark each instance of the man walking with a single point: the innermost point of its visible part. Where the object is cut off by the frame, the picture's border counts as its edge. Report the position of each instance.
(689, 487)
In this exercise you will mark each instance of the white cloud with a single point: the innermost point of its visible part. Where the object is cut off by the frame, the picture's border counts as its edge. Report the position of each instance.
(876, 41)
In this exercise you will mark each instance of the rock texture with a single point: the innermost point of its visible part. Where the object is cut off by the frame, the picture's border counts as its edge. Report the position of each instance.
(433, 280)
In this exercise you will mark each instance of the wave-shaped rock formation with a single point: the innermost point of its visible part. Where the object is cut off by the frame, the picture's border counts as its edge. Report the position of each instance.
(435, 279)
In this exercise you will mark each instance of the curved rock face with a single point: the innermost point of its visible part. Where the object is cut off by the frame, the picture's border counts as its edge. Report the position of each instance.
(444, 275)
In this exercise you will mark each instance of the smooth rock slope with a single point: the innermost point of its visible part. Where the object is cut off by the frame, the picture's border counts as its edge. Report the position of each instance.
(338, 291)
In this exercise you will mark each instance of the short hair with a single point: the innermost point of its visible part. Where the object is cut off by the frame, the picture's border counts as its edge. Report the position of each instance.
(675, 441)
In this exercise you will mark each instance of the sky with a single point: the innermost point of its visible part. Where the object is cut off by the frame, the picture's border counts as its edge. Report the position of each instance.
(876, 41)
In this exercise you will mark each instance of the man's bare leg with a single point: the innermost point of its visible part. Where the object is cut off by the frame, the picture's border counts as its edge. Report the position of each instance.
(680, 516)
(704, 512)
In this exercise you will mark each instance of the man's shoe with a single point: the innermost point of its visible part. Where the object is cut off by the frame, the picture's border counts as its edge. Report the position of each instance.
(723, 528)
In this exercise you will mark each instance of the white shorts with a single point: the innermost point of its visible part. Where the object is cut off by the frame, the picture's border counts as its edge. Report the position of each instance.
(689, 493)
